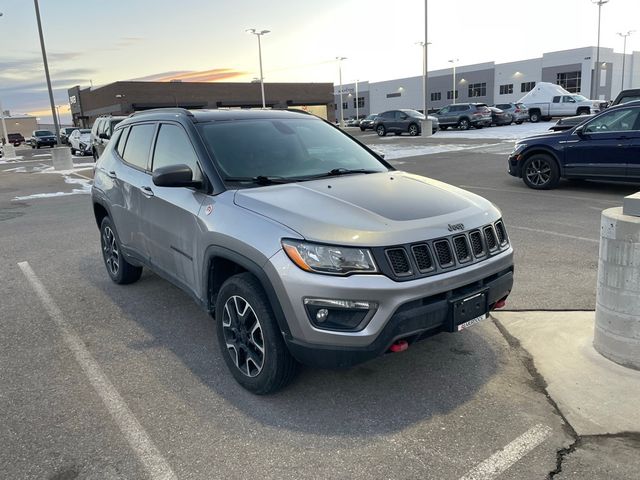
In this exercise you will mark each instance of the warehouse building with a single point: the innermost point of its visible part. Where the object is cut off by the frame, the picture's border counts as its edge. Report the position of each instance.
(124, 98)
(497, 83)
(18, 123)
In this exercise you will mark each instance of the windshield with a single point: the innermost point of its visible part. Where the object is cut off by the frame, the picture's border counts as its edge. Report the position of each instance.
(414, 114)
(85, 130)
(371, 117)
(284, 148)
(43, 133)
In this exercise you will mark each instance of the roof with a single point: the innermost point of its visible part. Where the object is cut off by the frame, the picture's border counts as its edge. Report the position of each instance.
(218, 114)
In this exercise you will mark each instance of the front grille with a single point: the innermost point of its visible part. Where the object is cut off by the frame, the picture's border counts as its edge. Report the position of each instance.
(443, 253)
(490, 238)
(399, 261)
(461, 247)
(501, 232)
(476, 244)
(422, 257)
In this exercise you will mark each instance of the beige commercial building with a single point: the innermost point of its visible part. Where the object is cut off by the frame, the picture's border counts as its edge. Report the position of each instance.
(24, 124)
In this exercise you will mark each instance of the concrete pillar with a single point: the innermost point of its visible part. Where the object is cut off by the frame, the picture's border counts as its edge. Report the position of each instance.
(426, 127)
(61, 157)
(9, 151)
(617, 329)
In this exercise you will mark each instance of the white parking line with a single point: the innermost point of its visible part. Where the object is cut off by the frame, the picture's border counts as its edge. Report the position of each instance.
(557, 234)
(505, 458)
(527, 191)
(146, 451)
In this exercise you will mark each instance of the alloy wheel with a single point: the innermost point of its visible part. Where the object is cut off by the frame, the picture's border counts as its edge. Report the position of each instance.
(110, 251)
(538, 172)
(243, 336)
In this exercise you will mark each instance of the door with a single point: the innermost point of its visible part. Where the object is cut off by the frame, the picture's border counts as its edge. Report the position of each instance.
(444, 116)
(95, 139)
(172, 212)
(633, 166)
(132, 178)
(401, 121)
(604, 146)
(568, 105)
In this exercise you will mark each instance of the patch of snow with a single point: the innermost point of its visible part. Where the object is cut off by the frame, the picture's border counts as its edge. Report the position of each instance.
(85, 189)
(508, 132)
(395, 151)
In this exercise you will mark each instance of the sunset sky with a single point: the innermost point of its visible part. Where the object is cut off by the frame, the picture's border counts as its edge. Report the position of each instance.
(203, 40)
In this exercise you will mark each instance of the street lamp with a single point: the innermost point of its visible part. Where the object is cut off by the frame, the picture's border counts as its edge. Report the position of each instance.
(424, 74)
(453, 92)
(624, 52)
(340, 59)
(46, 70)
(5, 137)
(58, 111)
(258, 34)
(597, 79)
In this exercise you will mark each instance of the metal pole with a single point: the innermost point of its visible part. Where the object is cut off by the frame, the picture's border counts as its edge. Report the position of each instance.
(598, 54)
(624, 53)
(357, 101)
(4, 125)
(453, 92)
(340, 79)
(58, 111)
(424, 60)
(264, 105)
(46, 71)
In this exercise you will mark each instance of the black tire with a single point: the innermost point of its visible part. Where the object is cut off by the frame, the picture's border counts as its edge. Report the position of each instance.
(479, 127)
(244, 319)
(444, 127)
(381, 130)
(413, 130)
(584, 111)
(464, 124)
(540, 172)
(519, 122)
(362, 129)
(73, 151)
(118, 269)
(38, 147)
(534, 117)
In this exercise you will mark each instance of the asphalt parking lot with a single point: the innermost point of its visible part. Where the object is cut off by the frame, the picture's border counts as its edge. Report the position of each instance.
(105, 381)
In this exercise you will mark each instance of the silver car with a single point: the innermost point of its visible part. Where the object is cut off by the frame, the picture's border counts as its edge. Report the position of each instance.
(519, 112)
(303, 244)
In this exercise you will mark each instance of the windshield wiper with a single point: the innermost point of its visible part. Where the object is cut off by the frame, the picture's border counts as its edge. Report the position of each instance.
(343, 171)
(261, 179)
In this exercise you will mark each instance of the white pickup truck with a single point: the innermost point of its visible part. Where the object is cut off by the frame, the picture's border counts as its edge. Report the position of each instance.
(548, 100)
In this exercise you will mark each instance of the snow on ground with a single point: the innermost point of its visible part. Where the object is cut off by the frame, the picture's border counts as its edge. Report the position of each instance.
(508, 132)
(395, 151)
(85, 188)
(70, 177)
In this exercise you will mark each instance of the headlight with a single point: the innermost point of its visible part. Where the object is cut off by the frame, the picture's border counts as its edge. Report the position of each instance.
(331, 259)
(519, 147)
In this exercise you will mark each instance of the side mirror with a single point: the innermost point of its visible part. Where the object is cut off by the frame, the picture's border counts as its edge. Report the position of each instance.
(580, 131)
(104, 136)
(175, 176)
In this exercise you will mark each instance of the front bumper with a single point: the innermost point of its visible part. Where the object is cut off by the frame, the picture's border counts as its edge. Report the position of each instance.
(482, 121)
(410, 310)
(515, 165)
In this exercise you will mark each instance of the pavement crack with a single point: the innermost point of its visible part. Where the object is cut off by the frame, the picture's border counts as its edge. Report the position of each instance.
(561, 454)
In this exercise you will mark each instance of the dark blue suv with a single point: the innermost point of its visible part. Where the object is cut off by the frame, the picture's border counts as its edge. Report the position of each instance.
(606, 147)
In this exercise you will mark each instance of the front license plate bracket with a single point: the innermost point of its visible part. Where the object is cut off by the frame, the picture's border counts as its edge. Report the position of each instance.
(472, 307)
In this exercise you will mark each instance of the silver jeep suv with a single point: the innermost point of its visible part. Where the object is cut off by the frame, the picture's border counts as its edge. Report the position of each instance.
(303, 244)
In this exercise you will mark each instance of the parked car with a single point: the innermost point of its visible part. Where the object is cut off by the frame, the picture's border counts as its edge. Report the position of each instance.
(624, 96)
(353, 122)
(401, 121)
(367, 122)
(101, 133)
(353, 258)
(43, 138)
(605, 147)
(64, 134)
(464, 115)
(80, 141)
(16, 139)
(519, 113)
(499, 117)
(548, 100)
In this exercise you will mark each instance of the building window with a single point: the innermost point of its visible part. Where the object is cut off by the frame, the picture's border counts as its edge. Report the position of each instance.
(345, 105)
(570, 81)
(527, 86)
(435, 96)
(360, 102)
(450, 96)
(477, 90)
(506, 89)
(394, 94)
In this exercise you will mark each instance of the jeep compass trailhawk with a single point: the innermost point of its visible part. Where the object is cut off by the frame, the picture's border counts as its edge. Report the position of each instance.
(303, 244)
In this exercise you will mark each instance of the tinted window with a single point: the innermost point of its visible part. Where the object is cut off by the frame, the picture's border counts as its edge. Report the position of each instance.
(288, 147)
(173, 147)
(503, 106)
(615, 121)
(136, 151)
(122, 141)
(556, 99)
(43, 133)
(388, 115)
(629, 98)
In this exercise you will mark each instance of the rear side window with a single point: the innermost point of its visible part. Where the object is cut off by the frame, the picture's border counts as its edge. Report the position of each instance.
(122, 141)
(173, 147)
(136, 151)
(556, 99)
(96, 126)
(387, 115)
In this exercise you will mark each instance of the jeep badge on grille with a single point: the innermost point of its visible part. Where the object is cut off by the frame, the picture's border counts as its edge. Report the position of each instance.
(456, 226)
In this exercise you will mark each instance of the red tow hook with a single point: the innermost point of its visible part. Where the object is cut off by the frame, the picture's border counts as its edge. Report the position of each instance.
(399, 346)
(500, 304)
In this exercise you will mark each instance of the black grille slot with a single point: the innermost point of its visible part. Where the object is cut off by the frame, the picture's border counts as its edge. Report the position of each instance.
(502, 233)
(476, 244)
(443, 252)
(461, 247)
(490, 237)
(399, 262)
(423, 258)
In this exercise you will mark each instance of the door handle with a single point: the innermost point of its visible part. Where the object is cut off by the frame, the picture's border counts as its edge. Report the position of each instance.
(112, 174)
(146, 191)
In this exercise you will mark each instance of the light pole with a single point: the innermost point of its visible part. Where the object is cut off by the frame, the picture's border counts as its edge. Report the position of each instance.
(46, 70)
(58, 112)
(597, 79)
(624, 52)
(424, 74)
(5, 137)
(258, 34)
(453, 92)
(340, 59)
(357, 101)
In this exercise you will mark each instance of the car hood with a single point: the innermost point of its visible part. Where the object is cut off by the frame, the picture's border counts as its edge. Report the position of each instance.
(378, 209)
(554, 136)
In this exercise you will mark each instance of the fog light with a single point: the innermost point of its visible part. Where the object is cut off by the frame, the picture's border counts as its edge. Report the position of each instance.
(322, 315)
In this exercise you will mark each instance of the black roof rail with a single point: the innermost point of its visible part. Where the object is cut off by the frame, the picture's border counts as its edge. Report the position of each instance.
(184, 111)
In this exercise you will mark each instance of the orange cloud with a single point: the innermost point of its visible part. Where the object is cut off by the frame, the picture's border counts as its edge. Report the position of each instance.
(213, 75)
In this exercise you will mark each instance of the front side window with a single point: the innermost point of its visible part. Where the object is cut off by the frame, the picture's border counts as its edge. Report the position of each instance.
(174, 148)
(287, 148)
(136, 151)
(615, 121)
